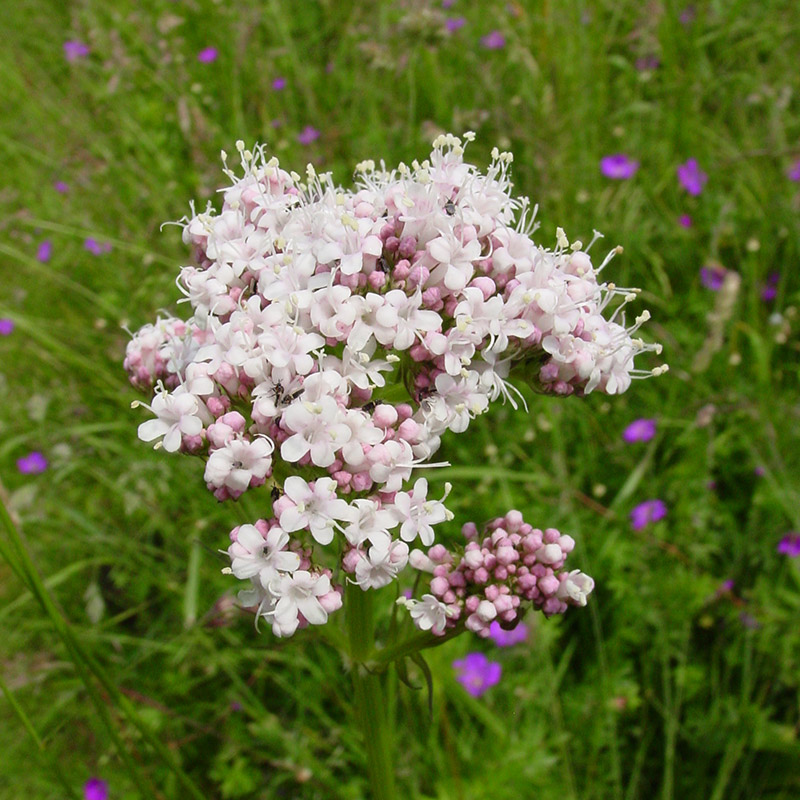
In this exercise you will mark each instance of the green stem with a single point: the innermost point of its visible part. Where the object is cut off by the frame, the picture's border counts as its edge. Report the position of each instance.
(370, 703)
(413, 644)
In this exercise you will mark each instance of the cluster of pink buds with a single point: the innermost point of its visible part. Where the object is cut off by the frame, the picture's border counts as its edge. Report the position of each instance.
(336, 335)
(493, 576)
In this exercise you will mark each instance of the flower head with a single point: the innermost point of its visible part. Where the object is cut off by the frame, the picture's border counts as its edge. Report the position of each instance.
(6, 326)
(279, 83)
(793, 173)
(493, 41)
(712, 276)
(95, 247)
(640, 430)
(207, 55)
(95, 789)
(476, 673)
(647, 512)
(507, 638)
(308, 135)
(73, 50)
(691, 177)
(790, 545)
(44, 251)
(685, 221)
(61, 187)
(32, 464)
(454, 24)
(618, 167)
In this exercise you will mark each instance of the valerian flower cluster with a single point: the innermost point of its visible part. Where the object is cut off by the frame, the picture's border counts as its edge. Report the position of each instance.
(336, 335)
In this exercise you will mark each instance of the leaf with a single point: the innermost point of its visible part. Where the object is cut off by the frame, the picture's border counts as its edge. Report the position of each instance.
(426, 671)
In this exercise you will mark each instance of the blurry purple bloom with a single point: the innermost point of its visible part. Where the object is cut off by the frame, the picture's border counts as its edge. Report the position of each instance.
(330, 67)
(308, 134)
(6, 327)
(749, 621)
(455, 23)
(61, 187)
(44, 251)
(277, 123)
(97, 248)
(685, 221)
(691, 177)
(713, 276)
(32, 464)
(769, 291)
(759, 471)
(640, 430)
(448, 3)
(95, 789)
(725, 586)
(236, 705)
(646, 63)
(619, 167)
(476, 673)
(687, 15)
(793, 173)
(208, 55)
(279, 84)
(512, 9)
(73, 50)
(711, 486)
(647, 512)
(790, 545)
(493, 41)
(503, 638)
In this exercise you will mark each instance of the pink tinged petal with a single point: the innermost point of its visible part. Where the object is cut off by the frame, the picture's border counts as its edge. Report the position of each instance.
(172, 441)
(285, 561)
(311, 609)
(321, 534)
(295, 447)
(190, 426)
(239, 479)
(292, 520)
(297, 490)
(249, 537)
(321, 454)
(152, 429)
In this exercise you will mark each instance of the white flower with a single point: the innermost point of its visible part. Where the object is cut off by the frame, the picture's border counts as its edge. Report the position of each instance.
(381, 565)
(298, 593)
(253, 554)
(575, 588)
(316, 506)
(177, 415)
(429, 614)
(371, 524)
(317, 428)
(238, 462)
(417, 514)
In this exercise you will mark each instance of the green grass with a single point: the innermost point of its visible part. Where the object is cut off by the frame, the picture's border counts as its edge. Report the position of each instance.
(126, 631)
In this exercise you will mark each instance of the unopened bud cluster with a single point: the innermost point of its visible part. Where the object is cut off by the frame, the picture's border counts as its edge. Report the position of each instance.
(495, 575)
(336, 335)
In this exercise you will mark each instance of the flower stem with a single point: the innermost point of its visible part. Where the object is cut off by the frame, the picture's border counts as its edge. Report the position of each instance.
(371, 708)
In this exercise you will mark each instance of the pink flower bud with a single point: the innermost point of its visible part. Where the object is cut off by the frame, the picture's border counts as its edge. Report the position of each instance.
(384, 415)
(549, 584)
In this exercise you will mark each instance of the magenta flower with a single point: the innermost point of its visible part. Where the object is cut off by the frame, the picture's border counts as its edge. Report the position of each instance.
(687, 15)
(640, 430)
(6, 326)
(455, 23)
(685, 221)
(207, 55)
(44, 251)
(691, 177)
(769, 291)
(793, 173)
(279, 84)
(307, 135)
(790, 545)
(725, 587)
(448, 3)
(647, 512)
(73, 50)
(712, 276)
(61, 187)
(618, 167)
(32, 464)
(97, 248)
(503, 638)
(476, 673)
(95, 789)
(493, 41)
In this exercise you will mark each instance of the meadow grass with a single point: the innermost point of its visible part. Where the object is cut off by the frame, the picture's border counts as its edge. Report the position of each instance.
(122, 653)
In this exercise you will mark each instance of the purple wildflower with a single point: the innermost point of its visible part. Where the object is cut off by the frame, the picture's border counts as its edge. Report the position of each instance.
(503, 638)
(6, 326)
(725, 587)
(691, 177)
(207, 55)
(685, 221)
(44, 251)
(448, 3)
(640, 430)
(646, 63)
(308, 134)
(277, 123)
(61, 187)
(647, 512)
(97, 248)
(95, 789)
(687, 15)
(769, 291)
(712, 276)
(32, 464)
(759, 471)
(279, 83)
(73, 50)
(455, 23)
(493, 41)
(793, 173)
(476, 673)
(790, 545)
(618, 167)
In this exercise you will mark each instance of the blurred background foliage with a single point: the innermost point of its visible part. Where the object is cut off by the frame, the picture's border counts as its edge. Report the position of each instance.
(673, 682)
